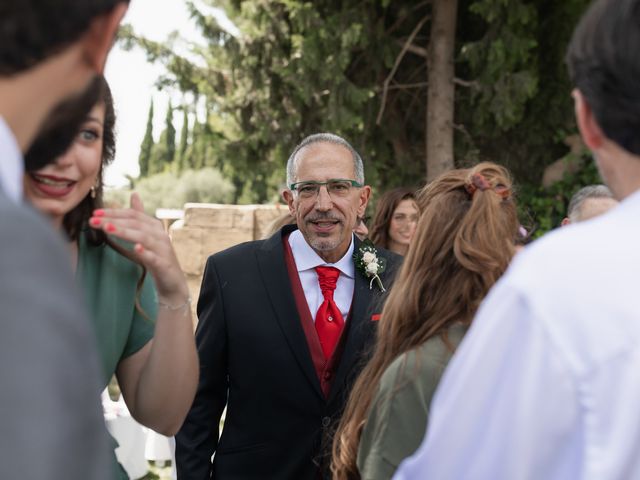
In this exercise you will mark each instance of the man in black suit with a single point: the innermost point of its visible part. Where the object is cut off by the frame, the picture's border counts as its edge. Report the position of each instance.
(284, 326)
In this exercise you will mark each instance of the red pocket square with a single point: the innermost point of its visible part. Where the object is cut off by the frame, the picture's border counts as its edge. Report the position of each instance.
(375, 318)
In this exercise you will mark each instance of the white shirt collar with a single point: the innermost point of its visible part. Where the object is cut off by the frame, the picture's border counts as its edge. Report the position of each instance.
(306, 258)
(11, 163)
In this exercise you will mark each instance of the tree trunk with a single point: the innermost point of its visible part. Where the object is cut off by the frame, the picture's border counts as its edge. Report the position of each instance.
(441, 89)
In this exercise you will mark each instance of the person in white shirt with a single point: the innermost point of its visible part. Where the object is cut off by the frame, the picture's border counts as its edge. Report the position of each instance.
(51, 420)
(589, 202)
(283, 326)
(546, 383)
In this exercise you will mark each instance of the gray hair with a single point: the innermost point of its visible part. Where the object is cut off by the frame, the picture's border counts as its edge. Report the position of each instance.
(585, 193)
(358, 166)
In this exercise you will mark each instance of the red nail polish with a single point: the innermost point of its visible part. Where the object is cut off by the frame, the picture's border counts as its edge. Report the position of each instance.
(98, 213)
(110, 227)
(95, 221)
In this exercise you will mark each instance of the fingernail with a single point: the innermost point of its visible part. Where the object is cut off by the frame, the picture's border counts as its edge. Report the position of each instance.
(98, 213)
(139, 248)
(95, 221)
(110, 227)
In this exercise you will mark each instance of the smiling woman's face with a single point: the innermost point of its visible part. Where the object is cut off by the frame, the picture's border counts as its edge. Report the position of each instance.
(59, 187)
(403, 225)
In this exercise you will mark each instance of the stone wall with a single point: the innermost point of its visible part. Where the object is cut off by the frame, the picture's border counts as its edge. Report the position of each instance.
(210, 228)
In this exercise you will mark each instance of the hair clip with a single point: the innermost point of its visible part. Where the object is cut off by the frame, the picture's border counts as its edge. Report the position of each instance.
(479, 182)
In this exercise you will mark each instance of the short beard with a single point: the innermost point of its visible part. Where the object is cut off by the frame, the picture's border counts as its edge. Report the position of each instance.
(61, 127)
(324, 245)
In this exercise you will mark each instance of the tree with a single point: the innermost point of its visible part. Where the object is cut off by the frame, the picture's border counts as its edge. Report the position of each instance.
(164, 152)
(181, 158)
(147, 145)
(170, 137)
(358, 68)
(440, 102)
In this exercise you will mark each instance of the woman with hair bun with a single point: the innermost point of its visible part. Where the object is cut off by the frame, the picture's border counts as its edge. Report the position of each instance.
(464, 241)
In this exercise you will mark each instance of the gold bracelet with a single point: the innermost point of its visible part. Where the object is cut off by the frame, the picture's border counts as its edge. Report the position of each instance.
(173, 308)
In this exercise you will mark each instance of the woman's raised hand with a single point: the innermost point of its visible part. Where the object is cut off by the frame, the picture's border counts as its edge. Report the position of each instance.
(151, 245)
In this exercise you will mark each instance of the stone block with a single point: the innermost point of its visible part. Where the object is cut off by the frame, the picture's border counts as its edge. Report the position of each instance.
(265, 215)
(187, 243)
(193, 282)
(215, 240)
(219, 216)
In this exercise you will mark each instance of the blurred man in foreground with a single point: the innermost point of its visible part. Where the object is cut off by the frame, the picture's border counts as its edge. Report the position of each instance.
(52, 426)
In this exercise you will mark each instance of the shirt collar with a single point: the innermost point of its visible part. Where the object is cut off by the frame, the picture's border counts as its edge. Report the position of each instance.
(306, 258)
(11, 163)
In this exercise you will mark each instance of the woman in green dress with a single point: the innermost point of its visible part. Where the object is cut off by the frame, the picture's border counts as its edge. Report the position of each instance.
(464, 241)
(131, 278)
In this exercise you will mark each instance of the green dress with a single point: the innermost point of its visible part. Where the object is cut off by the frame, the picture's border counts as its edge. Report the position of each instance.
(397, 421)
(109, 281)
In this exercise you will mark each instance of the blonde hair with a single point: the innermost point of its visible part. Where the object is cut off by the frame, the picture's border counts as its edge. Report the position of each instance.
(463, 243)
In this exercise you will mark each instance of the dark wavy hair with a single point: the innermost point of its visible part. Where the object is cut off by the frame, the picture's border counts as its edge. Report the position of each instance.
(34, 30)
(75, 222)
(389, 201)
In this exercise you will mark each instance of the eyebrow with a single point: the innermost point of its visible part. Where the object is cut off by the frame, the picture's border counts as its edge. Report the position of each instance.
(90, 118)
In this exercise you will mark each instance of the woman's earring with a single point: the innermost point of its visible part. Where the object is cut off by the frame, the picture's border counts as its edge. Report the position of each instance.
(93, 192)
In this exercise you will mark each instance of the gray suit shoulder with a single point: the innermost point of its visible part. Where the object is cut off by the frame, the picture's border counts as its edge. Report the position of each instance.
(50, 375)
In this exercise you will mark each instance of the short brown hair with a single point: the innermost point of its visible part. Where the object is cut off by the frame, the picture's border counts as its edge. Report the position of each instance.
(32, 31)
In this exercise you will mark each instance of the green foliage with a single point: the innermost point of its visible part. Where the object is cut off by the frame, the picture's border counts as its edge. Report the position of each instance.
(544, 208)
(171, 135)
(181, 156)
(299, 67)
(168, 190)
(147, 145)
(164, 152)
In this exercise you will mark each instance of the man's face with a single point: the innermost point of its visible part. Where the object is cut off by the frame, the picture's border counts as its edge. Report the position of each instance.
(61, 127)
(327, 220)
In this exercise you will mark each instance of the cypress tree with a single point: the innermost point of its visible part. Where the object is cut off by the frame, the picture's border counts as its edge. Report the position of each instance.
(147, 145)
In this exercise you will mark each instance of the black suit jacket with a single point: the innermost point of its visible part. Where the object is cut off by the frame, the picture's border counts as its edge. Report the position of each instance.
(255, 359)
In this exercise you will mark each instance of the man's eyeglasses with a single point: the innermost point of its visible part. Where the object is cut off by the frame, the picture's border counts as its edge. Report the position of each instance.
(336, 188)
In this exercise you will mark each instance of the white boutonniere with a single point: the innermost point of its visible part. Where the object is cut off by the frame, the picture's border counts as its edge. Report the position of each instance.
(369, 263)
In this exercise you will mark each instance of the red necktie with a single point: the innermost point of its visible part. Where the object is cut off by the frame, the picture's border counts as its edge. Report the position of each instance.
(329, 320)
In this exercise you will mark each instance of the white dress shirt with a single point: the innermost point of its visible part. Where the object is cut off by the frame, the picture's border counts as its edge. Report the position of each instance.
(306, 262)
(11, 163)
(546, 383)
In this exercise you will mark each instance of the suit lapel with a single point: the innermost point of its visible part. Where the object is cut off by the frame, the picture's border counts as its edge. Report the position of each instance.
(273, 270)
(358, 329)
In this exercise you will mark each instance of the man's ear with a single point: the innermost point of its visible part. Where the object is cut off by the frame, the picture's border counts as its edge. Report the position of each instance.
(589, 129)
(99, 38)
(288, 198)
(565, 222)
(365, 193)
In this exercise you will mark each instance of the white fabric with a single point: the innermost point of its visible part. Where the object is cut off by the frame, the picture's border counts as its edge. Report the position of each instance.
(307, 260)
(546, 384)
(11, 163)
(129, 434)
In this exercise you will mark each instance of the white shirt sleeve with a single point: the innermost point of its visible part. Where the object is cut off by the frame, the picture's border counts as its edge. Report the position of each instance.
(507, 406)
